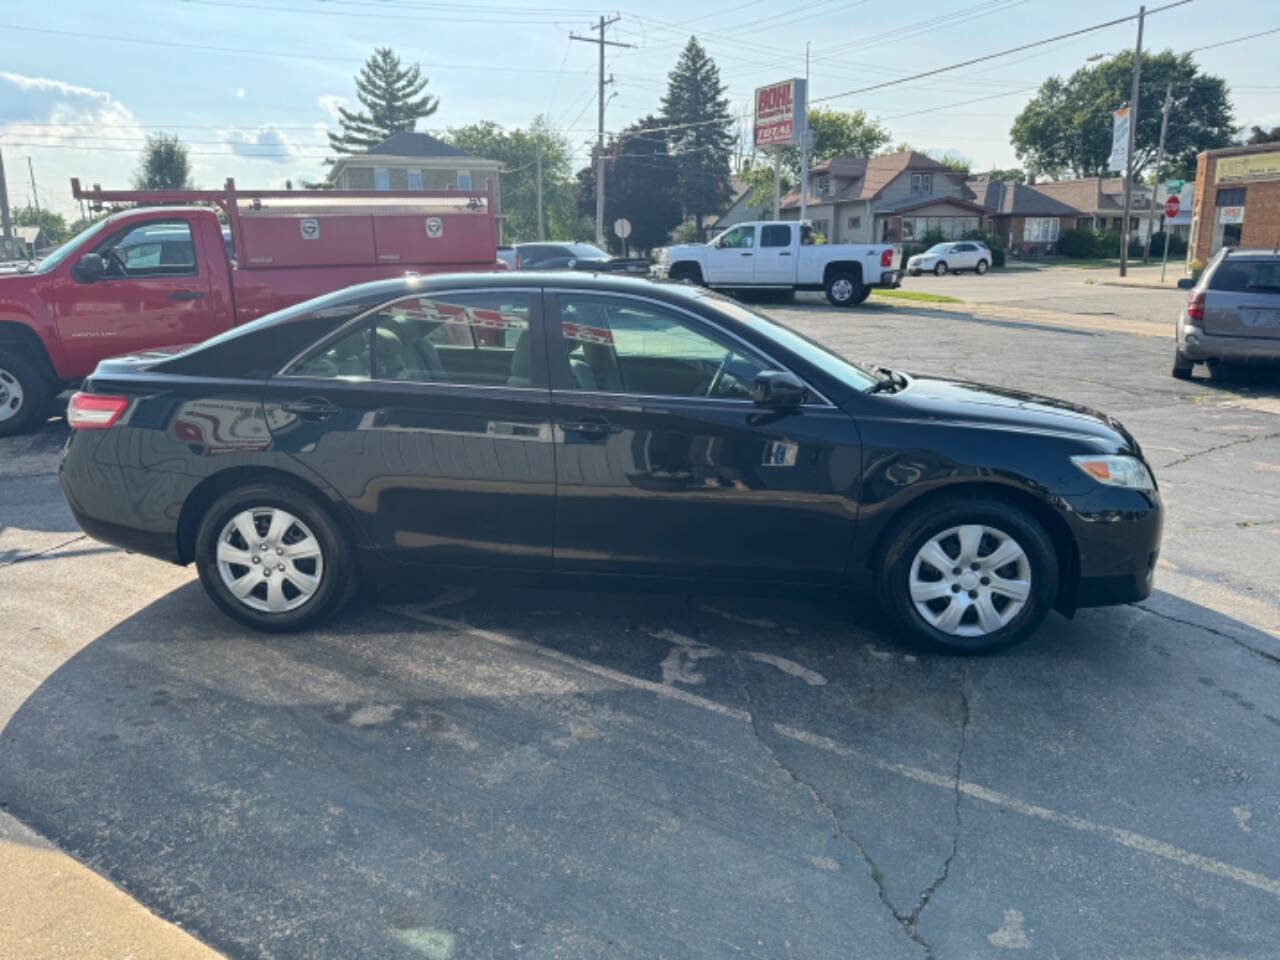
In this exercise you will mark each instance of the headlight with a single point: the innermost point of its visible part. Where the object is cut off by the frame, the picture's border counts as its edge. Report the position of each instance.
(1117, 471)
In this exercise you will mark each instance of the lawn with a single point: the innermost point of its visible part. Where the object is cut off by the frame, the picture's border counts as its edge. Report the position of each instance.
(918, 295)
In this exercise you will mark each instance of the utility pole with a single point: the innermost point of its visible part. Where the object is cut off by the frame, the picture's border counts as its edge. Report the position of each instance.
(804, 141)
(6, 227)
(777, 184)
(1151, 212)
(35, 198)
(1128, 162)
(602, 43)
(541, 235)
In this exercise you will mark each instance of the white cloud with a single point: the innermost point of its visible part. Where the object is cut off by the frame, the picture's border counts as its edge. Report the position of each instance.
(266, 142)
(239, 93)
(330, 103)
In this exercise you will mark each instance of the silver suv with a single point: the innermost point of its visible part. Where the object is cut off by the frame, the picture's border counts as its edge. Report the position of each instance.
(1232, 314)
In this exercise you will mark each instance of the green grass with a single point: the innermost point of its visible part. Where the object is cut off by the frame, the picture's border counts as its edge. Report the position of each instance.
(1084, 263)
(918, 295)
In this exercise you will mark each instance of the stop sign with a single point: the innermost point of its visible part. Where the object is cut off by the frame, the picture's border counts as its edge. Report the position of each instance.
(1171, 207)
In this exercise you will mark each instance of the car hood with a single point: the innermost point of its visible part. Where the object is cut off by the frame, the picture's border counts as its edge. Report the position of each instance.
(984, 405)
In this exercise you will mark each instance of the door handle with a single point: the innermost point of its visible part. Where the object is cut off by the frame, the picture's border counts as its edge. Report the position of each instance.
(310, 408)
(590, 427)
(746, 254)
(185, 295)
(785, 253)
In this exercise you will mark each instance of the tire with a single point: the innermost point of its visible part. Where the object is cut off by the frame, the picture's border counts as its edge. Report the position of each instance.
(914, 273)
(686, 271)
(1182, 365)
(846, 289)
(334, 566)
(1014, 620)
(981, 267)
(26, 392)
(940, 269)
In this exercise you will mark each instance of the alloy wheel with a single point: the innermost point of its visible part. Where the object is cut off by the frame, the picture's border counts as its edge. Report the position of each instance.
(970, 580)
(11, 395)
(269, 559)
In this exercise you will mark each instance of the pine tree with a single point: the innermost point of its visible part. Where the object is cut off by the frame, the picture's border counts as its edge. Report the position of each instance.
(392, 96)
(702, 138)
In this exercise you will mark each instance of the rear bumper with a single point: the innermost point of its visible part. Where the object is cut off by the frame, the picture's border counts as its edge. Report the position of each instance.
(1195, 344)
(889, 278)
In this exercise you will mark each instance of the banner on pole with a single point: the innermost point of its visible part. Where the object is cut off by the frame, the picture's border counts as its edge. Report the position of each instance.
(1119, 141)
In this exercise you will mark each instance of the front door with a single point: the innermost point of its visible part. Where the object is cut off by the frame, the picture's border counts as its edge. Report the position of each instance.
(775, 260)
(155, 294)
(731, 259)
(664, 465)
(431, 418)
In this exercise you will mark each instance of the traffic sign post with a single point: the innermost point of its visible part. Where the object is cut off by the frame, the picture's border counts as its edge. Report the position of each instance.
(1171, 206)
(622, 230)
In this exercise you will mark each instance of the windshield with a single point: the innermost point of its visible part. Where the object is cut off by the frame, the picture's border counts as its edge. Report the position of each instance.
(64, 251)
(846, 371)
(587, 251)
(939, 248)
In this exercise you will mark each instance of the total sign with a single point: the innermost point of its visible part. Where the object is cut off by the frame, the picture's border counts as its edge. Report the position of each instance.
(780, 111)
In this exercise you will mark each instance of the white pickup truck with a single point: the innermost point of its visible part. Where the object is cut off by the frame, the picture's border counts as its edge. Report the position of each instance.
(782, 255)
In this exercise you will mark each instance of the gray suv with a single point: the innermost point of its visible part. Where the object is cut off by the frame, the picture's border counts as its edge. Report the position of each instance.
(1232, 314)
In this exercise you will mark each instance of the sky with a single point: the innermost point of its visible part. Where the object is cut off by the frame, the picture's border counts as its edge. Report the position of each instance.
(251, 86)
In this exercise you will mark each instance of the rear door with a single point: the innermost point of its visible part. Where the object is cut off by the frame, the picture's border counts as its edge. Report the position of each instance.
(444, 456)
(775, 261)
(155, 293)
(1243, 298)
(963, 256)
(665, 466)
(731, 259)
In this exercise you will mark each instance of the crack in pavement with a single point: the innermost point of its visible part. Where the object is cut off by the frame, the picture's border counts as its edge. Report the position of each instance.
(1256, 651)
(908, 921)
(1239, 441)
(40, 553)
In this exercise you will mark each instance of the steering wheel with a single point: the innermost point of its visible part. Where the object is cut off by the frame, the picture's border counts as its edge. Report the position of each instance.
(719, 374)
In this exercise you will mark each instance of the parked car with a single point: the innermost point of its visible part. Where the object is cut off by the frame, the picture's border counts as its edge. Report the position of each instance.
(155, 276)
(507, 254)
(943, 258)
(620, 428)
(576, 256)
(784, 255)
(1232, 315)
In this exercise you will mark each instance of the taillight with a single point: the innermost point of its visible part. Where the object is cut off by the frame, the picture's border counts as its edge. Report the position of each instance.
(886, 258)
(1195, 307)
(94, 411)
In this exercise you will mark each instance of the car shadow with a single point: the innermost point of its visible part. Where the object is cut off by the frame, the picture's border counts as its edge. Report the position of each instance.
(1260, 381)
(573, 772)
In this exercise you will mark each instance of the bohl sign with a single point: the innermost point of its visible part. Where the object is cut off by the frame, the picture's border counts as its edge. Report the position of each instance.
(779, 113)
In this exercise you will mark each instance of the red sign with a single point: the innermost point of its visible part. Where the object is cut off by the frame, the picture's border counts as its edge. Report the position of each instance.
(1172, 206)
(776, 109)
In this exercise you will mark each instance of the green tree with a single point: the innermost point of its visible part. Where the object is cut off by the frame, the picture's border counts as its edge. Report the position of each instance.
(836, 133)
(1011, 174)
(393, 99)
(54, 224)
(166, 165)
(642, 185)
(518, 151)
(1258, 134)
(701, 134)
(1066, 128)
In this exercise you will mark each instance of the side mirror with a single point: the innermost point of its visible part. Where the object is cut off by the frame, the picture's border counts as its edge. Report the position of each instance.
(1185, 283)
(89, 268)
(778, 390)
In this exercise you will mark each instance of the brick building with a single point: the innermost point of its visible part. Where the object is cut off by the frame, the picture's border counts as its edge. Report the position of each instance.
(1237, 200)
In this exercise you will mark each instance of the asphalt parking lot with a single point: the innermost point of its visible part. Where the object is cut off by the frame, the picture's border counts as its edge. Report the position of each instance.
(505, 772)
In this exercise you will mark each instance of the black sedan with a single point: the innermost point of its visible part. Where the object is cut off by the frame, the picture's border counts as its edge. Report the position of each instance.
(534, 426)
(576, 256)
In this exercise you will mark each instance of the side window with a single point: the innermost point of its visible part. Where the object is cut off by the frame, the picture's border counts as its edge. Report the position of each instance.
(630, 346)
(347, 358)
(775, 235)
(806, 236)
(1247, 276)
(158, 249)
(739, 238)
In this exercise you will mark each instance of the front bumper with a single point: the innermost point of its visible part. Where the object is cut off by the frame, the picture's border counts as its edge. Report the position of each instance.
(1195, 344)
(1117, 534)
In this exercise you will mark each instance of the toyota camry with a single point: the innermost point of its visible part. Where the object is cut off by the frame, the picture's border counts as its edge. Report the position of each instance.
(536, 427)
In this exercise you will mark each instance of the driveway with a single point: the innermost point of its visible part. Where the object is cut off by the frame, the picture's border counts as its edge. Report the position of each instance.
(557, 773)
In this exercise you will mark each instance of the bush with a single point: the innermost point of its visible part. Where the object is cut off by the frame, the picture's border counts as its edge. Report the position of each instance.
(993, 242)
(1077, 243)
(1106, 243)
(1177, 245)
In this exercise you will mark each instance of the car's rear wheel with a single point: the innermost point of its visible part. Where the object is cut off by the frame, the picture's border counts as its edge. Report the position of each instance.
(272, 558)
(25, 392)
(940, 269)
(846, 289)
(1182, 365)
(970, 576)
(914, 273)
(981, 268)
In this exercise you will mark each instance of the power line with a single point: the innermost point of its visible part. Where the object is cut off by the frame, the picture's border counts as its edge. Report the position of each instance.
(1223, 43)
(1002, 53)
(364, 15)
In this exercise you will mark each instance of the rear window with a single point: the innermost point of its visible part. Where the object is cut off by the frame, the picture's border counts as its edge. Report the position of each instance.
(1247, 276)
(587, 251)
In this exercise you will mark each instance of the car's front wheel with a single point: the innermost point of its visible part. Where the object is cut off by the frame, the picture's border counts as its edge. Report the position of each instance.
(914, 273)
(25, 393)
(970, 576)
(272, 558)
(981, 268)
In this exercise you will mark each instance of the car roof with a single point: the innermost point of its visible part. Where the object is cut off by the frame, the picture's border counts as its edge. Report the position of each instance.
(1235, 253)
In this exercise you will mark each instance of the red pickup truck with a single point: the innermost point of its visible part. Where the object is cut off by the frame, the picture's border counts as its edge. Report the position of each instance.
(159, 276)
